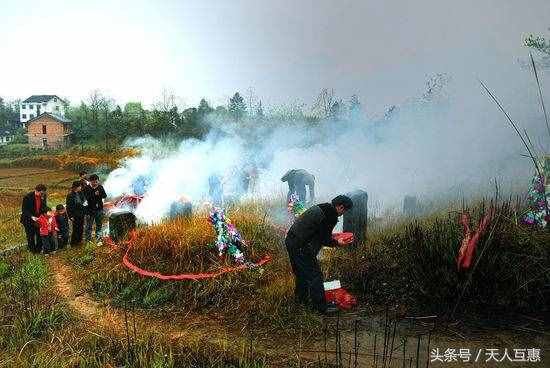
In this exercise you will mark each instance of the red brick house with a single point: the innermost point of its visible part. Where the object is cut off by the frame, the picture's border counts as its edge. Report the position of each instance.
(49, 130)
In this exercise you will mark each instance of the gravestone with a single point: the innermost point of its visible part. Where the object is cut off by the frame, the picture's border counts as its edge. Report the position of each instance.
(355, 220)
(120, 223)
(410, 206)
(180, 209)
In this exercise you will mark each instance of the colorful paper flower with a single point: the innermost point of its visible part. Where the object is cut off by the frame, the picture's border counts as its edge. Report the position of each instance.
(228, 238)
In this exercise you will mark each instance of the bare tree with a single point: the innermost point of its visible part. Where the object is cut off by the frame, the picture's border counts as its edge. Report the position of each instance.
(326, 104)
(251, 100)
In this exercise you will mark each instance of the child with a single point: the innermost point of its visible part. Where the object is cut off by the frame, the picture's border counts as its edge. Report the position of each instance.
(62, 221)
(48, 230)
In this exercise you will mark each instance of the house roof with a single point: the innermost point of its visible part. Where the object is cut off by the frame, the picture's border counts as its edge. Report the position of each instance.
(40, 98)
(56, 117)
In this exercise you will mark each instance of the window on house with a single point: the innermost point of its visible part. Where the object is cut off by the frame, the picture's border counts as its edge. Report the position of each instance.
(23, 107)
(43, 129)
(24, 116)
(55, 99)
(57, 108)
(31, 116)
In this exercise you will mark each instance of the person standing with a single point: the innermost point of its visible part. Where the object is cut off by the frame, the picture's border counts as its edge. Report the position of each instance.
(62, 221)
(82, 176)
(308, 234)
(95, 194)
(85, 183)
(76, 210)
(32, 205)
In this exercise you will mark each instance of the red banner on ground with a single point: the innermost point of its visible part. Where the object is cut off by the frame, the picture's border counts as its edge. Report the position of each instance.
(184, 276)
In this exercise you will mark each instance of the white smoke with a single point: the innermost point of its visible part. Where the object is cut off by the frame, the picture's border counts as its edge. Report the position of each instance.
(451, 142)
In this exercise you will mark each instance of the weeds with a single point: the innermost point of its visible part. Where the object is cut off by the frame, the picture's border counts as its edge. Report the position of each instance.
(414, 263)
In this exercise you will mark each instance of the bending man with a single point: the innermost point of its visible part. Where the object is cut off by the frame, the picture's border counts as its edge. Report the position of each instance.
(310, 232)
(297, 180)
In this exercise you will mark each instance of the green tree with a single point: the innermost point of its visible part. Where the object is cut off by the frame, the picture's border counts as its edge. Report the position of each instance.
(134, 119)
(237, 107)
(204, 108)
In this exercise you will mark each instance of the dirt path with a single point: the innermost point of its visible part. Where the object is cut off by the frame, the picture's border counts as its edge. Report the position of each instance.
(88, 309)
(100, 317)
(107, 317)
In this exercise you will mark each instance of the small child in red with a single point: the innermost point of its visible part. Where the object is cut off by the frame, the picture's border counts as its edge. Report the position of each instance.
(48, 230)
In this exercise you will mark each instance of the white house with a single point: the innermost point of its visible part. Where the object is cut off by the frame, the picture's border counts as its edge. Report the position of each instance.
(38, 104)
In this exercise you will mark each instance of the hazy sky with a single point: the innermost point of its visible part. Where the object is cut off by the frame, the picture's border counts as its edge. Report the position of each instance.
(284, 50)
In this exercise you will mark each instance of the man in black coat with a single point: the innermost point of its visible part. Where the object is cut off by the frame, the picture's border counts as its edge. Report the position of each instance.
(94, 194)
(297, 180)
(32, 205)
(76, 210)
(310, 232)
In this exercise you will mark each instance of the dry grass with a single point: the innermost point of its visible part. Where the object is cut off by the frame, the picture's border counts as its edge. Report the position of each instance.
(181, 246)
(38, 329)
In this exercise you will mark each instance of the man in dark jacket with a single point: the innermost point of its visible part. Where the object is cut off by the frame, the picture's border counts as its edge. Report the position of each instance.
(33, 204)
(95, 194)
(310, 232)
(76, 210)
(297, 181)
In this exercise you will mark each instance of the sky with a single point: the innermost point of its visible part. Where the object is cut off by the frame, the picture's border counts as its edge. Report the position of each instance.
(282, 50)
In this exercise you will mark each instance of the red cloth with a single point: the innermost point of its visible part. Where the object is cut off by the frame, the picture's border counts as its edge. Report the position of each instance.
(37, 203)
(469, 243)
(341, 297)
(345, 237)
(47, 224)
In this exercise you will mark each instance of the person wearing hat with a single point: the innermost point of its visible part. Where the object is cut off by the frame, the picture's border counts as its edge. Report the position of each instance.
(76, 210)
(310, 232)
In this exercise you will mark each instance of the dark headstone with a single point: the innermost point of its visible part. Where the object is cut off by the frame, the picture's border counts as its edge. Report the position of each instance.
(181, 209)
(120, 223)
(355, 220)
(410, 206)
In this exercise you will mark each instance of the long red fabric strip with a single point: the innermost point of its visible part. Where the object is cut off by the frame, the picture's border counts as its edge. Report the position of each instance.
(469, 243)
(184, 276)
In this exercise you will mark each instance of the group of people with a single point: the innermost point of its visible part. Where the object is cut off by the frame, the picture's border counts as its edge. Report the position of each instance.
(48, 230)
